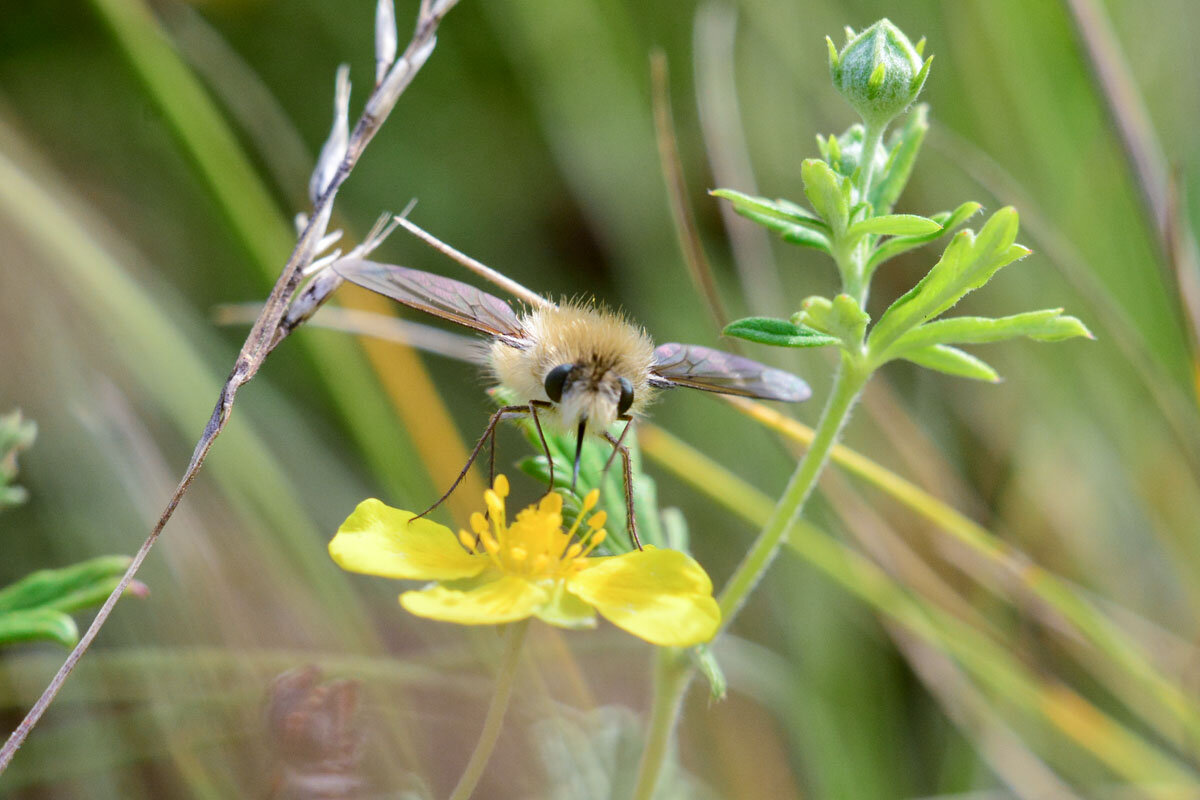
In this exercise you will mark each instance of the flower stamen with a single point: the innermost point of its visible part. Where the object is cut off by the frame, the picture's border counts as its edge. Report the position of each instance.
(468, 540)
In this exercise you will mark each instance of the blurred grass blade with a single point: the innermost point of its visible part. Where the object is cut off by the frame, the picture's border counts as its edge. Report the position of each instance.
(1089, 621)
(990, 663)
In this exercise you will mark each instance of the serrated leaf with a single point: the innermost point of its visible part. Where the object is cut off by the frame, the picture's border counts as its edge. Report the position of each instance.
(896, 225)
(791, 222)
(952, 361)
(65, 589)
(814, 313)
(1048, 325)
(706, 663)
(968, 262)
(841, 318)
(37, 624)
(903, 148)
(782, 210)
(848, 321)
(792, 234)
(949, 221)
(777, 333)
(825, 192)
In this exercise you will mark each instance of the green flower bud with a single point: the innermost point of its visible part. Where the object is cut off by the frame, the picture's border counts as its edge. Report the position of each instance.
(879, 72)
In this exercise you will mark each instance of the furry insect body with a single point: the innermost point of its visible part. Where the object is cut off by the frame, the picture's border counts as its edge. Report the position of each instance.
(600, 346)
(579, 366)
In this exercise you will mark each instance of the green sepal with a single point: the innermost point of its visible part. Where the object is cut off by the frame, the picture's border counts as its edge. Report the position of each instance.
(827, 192)
(948, 221)
(675, 530)
(968, 263)
(952, 361)
(790, 222)
(565, 610)
(777, 333)
(841, 318)
(895, 225)
(706, 664)
(71, 588)
(903, 148)
(38, 624)
(1048, 325)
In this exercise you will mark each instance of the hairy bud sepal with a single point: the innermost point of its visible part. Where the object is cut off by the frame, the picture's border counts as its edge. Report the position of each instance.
(879, 72)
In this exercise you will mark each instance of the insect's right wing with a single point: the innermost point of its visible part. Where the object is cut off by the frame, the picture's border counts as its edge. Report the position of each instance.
(443, 297)
(711, 370)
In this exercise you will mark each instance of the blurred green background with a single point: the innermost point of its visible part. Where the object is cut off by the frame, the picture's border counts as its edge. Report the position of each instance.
(903, 665)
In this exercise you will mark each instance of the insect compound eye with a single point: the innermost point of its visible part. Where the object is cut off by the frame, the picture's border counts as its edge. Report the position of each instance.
(556, 380)
(626, 396)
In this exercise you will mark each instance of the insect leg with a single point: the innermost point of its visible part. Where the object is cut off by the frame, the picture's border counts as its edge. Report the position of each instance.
(489, 431)
(534, 405)
(630, 515)
(620, 441)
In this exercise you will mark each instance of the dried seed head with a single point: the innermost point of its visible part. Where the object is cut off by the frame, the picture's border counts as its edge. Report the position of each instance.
(385, 38)
(334, 149)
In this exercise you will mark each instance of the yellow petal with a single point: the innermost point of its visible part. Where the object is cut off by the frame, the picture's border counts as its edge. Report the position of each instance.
(492, 602)
(380, 540)
(662, 596)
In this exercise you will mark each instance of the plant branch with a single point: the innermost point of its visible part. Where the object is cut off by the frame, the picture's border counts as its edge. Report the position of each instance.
(263, 336)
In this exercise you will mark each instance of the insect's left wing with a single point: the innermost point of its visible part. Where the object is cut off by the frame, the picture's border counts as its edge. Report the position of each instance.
(711, 370)
(443, 297)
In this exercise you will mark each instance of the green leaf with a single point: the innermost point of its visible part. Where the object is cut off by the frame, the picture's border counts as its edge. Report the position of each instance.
(16, 434)
(896, 225)
(824, 189)
(952, 361)
(39, 624)
(1045, 326)
(968, 263)
(67, 589)
(948, 221)
(706, 663)
(782, 210)
(791, 222)
(777, 332)
(904, 147)
(793, 234)
(840, 317)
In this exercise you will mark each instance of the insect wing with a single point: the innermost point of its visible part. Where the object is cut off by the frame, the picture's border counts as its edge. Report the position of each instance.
(443, 297)
(711, 370)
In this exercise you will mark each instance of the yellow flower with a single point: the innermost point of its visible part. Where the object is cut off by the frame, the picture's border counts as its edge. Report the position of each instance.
(501, 572)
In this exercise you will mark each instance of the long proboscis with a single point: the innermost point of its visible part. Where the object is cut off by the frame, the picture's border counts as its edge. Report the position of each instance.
(578, 452)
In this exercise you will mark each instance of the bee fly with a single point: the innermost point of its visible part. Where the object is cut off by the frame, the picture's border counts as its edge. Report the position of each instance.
(579, 366)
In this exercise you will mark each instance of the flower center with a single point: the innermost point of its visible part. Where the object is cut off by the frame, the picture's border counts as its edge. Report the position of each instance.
(534, 546)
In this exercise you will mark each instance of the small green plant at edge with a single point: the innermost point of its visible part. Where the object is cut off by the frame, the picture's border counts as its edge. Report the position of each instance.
(38, 607)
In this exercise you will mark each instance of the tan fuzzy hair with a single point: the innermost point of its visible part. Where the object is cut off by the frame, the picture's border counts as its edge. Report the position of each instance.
(602, 343)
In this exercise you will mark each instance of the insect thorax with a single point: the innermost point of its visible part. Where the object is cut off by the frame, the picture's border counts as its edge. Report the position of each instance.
(602, 344)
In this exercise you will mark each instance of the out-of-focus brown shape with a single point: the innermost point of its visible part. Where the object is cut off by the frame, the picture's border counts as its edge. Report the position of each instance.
(314, 736)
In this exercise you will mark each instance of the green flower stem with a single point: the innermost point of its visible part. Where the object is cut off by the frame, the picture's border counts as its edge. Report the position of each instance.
(513, 639)
(671, 680)
(672, 674)
(872, 136)
(847, 386)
